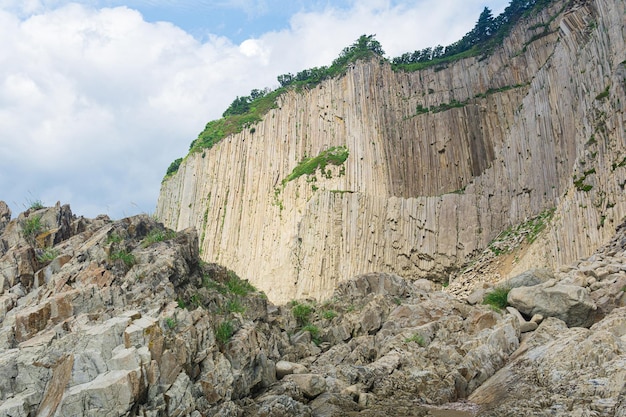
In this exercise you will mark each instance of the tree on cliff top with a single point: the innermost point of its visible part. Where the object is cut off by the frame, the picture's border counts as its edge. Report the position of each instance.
(365, 47)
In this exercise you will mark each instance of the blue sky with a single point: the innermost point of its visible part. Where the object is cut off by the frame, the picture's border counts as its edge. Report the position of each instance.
(97, 97)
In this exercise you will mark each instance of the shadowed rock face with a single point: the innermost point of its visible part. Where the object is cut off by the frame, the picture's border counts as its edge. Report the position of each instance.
(121, 318)
(506, 137)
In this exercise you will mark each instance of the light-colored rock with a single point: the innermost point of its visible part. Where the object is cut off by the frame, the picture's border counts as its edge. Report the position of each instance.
(284, 368)
(570, 303)
(530, 278)
(311, 385)
(530, 108)
(524, 326)
(113, 392)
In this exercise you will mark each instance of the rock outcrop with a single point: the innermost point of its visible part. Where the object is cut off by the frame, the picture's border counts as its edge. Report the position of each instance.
(122, 318)
(440, 162)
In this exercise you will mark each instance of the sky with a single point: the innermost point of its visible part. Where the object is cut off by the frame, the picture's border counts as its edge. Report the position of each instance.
(98, 97)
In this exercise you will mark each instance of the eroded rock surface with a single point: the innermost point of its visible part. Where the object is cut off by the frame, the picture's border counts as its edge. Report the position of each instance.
(127, 321)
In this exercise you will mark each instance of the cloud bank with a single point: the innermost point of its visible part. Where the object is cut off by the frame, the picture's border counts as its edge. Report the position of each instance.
(95, 102)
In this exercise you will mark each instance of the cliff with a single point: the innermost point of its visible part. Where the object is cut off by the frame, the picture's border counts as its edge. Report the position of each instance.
(440, 162)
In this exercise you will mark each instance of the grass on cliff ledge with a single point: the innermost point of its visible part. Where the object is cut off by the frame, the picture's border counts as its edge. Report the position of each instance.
(336, 155)
(217, 130)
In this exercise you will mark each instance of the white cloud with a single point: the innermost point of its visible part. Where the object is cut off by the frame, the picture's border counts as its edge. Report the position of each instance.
(95, 103)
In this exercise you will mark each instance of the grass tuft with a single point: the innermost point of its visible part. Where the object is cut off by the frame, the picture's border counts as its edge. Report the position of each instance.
(497, 298)
(224, 332)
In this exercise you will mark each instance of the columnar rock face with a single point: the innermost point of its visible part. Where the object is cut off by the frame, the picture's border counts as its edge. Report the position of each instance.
(536, 125)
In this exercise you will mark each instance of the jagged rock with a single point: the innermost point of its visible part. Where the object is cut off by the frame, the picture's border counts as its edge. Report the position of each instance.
(570, 303)
(5, 216)
(558, 371)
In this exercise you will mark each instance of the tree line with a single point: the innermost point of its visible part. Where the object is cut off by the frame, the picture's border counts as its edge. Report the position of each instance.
(488, 32)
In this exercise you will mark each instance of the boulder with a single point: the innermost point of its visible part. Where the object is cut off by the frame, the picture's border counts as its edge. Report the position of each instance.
(529, 278)
(570, 303)
(284, 368)
(311, 385)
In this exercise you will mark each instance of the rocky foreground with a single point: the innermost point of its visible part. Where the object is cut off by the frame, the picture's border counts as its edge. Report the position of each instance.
(122, 318)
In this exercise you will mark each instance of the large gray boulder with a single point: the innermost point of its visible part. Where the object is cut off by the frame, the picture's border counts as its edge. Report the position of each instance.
(570, 303)
(530, 278)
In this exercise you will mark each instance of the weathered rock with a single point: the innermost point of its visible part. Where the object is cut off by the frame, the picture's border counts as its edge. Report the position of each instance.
(529, 278)
(524, 326)
(558, 371)
(570, 303)
(5, 216)
(284, 368)
(311, 385)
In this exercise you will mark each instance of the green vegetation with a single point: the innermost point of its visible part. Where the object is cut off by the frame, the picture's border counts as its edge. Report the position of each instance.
(604, 94)
(336, 155)
(579, 183)
(234, 122)
(123, 255)
(31, 227)
(36, 205)
(173, 168)
(416, 338)
(171, 323)
(620, 164)
(234, 306)
(447, 106)
(302, 312)
(487, 34)
(497, 298)
(47, 255)
(157, 235)
(114, 238)
(329, 314)
(314, 331)
(224, 332)
(365, 47)
(509, 239)
(214, 285)
(537, 224)
(238, 286)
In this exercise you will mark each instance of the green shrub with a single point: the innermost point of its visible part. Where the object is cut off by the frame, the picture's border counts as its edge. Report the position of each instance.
(171, 322)
(31, 227)
(47, 255)
(314, 331)
(302, 312)
(173, 168)
(224, 332)
(123, 255)
(497, 298)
